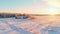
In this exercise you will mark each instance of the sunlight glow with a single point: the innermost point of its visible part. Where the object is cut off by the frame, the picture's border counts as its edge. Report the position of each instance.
(52, 3)
(54, 6)
(52, 12)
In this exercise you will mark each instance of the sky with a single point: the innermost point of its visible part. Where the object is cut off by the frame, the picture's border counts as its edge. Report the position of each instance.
(30, 6)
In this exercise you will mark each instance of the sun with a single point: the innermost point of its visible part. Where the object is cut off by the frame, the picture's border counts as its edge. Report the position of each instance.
(52, 12)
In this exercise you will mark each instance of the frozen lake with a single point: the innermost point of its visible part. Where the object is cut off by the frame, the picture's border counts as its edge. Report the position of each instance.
(40, 25)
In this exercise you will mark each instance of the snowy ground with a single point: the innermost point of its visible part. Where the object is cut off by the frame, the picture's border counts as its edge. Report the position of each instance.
(41, 25)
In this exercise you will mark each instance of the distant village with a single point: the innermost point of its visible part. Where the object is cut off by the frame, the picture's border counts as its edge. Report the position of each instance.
(16, 15)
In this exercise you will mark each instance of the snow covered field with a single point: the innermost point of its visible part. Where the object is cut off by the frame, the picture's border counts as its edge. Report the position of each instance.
(40, 25)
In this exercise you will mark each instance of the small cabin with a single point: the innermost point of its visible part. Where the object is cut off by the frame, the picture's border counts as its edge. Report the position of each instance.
(21, 16)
